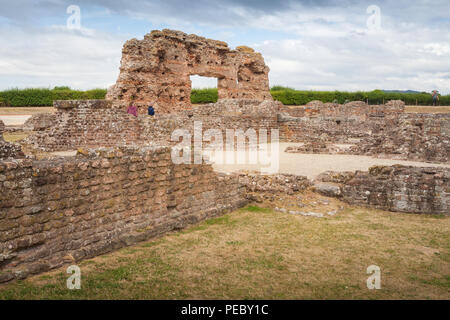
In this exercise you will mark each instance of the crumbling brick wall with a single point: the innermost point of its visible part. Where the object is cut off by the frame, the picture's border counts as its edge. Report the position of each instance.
(226, 114)
(40, 122)
(158, 68)
(86, 123)
(355, 110)
(330, 122)
(421, 137)
(394, 188)
(91, 123)
(380, 131)
(61, 211)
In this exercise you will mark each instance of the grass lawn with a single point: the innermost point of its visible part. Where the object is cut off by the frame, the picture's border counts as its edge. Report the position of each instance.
(258, 253)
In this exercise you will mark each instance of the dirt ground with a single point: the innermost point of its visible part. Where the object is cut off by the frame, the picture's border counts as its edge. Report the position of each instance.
(25, 110)
(17, 116)
(427, 109)
(311, 165)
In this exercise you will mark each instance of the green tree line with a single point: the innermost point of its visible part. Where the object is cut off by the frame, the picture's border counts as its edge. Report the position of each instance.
(288, 96)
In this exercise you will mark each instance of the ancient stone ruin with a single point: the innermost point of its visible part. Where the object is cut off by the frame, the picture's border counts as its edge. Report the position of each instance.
(122, 187)
(157, 69)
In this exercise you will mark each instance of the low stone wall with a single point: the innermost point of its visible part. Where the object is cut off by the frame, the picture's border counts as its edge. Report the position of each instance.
(421, 137)
(63, 210)
(277, 183)
(355, 110)
(40, 122)
(86, 123)
(92, 123)
(393, 188)
(336, 123)
(225, 114)
(271, 187)
(381, 131)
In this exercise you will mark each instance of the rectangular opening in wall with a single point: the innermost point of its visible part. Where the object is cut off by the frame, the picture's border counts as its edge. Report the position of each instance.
(204, 89)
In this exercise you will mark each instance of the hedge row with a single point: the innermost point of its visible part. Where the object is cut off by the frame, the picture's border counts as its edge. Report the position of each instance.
(295, 97)
(45, 97)
(204, 95)
(288, 96)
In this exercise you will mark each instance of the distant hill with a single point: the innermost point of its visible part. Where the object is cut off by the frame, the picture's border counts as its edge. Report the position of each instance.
(402, 91)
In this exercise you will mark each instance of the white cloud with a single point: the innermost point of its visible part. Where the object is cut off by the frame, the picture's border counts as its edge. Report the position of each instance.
(58, 56)
(345, 56)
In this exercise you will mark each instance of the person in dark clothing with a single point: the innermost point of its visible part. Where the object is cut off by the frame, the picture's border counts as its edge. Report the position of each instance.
(435, 95)
(151, 111)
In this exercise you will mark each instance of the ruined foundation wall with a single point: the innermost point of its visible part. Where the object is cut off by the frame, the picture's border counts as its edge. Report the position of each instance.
(393, 188)
(225, 114)
(420, 137)
(63, 210)
(158, 69)
(335, 123)
(381, 131)
(91, 123)
(86, 123)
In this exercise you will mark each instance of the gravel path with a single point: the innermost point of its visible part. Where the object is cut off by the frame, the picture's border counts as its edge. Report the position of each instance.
(311, 165)
(14, 120)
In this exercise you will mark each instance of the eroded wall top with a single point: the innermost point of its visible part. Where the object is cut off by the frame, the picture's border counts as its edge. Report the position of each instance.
(158, 69)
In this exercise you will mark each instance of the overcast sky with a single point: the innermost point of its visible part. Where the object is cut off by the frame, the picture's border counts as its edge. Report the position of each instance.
(317, 45)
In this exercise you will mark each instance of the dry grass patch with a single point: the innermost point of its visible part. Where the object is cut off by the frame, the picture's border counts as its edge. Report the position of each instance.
(257, 253)
(15, 136)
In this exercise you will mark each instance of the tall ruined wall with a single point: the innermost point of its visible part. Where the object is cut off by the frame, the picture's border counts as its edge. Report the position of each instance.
(62, 211)
(92, 123)
(158, 68)
(393, 188)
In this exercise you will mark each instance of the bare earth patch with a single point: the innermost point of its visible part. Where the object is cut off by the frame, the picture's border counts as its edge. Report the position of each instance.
(258, 253)
(25, 110)
(427, 109)
(311, 165)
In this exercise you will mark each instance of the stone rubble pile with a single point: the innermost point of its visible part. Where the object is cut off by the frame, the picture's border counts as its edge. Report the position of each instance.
(7, 149)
